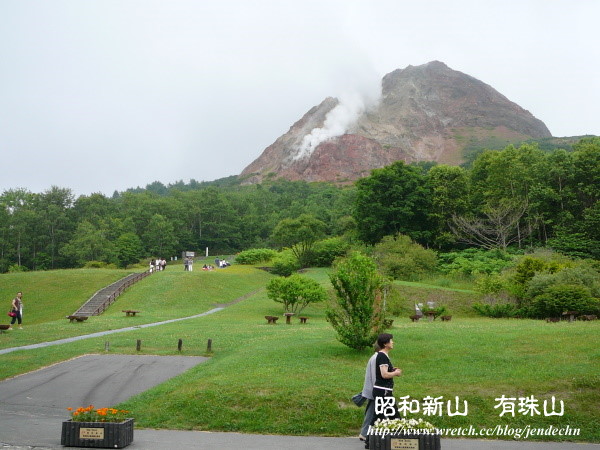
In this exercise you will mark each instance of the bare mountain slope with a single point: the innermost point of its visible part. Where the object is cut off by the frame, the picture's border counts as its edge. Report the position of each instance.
(425, 113)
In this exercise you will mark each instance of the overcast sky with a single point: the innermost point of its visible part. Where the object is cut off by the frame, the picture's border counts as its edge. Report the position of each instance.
(103, 95)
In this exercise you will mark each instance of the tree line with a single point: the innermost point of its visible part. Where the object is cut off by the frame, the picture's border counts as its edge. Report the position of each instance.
(516, 197)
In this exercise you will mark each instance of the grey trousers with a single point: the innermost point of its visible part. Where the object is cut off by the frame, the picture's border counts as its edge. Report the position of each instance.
(369, 417)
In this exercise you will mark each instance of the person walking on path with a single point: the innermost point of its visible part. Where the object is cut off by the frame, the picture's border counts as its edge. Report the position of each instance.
(17, 308)
(383, 395)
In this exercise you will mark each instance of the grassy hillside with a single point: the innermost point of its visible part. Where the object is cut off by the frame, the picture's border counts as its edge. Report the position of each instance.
(53, 294)
(297, 379)
(50, 296)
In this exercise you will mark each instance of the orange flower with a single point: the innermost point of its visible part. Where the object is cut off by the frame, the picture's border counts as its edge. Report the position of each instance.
(89, 414)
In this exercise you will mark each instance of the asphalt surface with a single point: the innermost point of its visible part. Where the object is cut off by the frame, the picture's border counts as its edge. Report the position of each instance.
(33, 405)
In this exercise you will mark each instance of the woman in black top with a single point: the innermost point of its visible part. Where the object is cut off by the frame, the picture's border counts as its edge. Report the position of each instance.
(385, 407)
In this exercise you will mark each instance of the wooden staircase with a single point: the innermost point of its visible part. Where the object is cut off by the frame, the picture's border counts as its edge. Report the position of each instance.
(105, 297)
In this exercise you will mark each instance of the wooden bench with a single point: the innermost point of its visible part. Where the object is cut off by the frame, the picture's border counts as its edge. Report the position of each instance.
(77, 318)
(271, 319)
(414, 317)
(3, 328)
(130, 312)
(303, 319)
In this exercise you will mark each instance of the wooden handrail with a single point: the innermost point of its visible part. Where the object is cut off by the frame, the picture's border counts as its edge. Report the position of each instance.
(112, 297)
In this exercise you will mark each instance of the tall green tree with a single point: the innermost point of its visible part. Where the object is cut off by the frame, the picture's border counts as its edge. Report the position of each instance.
(587, 171)
(88, 244)
(129, 249)
(300, 235)
(159, 237)
(54, 207)
(392, 200)
(512, 176)
(449, 187)
(19, 205)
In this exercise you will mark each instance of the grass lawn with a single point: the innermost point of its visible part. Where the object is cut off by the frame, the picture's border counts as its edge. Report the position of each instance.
(457, 301)
(297, 379)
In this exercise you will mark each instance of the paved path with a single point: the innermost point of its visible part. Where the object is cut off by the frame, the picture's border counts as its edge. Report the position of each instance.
(32, 406)
(103, 333)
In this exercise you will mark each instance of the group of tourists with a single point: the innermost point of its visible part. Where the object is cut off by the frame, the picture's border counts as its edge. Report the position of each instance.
(158, 264)
(16, 311)
(222, 263)
(188, 264)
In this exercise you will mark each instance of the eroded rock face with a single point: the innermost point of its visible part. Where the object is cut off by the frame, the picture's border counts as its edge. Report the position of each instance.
(425, 113)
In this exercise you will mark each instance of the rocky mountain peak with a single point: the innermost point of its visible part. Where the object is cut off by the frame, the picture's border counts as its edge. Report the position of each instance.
(425, 113)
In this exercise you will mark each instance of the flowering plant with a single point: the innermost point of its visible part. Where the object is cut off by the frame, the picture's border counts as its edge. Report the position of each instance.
(91, 414)
(404, 424)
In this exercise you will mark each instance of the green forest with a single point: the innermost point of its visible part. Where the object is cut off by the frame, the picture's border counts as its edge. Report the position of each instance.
(514, 199)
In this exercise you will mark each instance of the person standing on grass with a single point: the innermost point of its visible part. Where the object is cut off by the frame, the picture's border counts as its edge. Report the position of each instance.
(17, 308)
(383, 389)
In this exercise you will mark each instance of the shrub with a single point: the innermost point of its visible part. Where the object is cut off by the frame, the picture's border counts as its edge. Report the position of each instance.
(255, 256)
(396, 303)
(401, 258)
(326, 251)
(285, 264)
(14, 268)
(563, 297)
(491, 284)
(437, 311)
(497, 310)
(99, 265)
(474, 262)
(357, 315)
(583, 274)
(529, 266)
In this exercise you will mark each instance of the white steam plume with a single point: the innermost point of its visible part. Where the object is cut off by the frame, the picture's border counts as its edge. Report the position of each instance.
(337, 122)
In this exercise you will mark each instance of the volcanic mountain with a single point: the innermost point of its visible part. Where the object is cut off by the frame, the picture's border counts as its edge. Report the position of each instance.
(425, 113)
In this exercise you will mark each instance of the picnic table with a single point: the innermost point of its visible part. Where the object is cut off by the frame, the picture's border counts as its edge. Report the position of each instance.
(288, 316)
(77, 318)
(430, 315)
(130, 312)
(570, 315)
